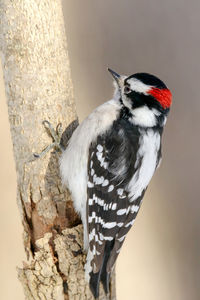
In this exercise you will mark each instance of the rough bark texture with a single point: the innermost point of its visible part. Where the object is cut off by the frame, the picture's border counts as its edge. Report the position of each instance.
(38, 87)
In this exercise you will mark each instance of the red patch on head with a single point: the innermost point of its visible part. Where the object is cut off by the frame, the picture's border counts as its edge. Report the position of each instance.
(164, 96)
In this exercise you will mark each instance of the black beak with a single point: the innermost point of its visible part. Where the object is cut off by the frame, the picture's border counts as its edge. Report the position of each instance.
(114, 75)
(117, 77)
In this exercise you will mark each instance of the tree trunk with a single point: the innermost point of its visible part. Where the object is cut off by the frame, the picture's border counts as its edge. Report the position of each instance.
(39, 87)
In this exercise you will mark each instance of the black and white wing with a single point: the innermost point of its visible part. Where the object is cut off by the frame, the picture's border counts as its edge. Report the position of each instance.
(111, 165)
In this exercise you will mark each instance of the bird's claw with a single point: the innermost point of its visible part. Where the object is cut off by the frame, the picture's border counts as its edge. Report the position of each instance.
(56, 136)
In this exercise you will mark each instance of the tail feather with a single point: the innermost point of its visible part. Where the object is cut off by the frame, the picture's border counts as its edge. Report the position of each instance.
(94, 283)
(105, 276)
(102, 275)
(105, 279)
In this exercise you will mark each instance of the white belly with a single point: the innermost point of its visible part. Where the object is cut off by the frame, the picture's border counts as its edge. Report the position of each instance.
(74, 160)
(148, 152)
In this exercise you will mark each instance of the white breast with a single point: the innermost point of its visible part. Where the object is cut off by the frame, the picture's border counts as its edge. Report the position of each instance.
(148, 151)
(74, 160)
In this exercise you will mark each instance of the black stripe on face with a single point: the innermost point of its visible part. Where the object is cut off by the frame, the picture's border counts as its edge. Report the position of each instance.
(139, 100)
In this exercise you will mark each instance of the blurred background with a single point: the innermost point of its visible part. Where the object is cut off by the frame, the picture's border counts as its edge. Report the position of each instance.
(160, 259)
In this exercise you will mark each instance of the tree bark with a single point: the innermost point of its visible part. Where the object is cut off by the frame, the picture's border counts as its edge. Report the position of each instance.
(39, 87)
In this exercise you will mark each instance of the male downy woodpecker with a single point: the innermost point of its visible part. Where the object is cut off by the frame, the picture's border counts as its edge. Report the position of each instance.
(108, 164)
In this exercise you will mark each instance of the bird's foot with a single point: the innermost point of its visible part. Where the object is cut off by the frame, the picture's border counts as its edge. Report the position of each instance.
(56, 135)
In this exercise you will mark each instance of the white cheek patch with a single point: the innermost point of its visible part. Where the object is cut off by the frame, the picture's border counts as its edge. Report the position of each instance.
(138, 86)
(143, 116)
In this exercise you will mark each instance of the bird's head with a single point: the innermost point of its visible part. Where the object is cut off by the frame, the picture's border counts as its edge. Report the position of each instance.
(145, 96)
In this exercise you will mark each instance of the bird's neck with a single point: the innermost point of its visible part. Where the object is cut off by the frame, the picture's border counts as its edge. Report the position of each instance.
(142, 116)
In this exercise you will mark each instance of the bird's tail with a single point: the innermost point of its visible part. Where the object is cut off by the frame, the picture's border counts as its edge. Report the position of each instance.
(102, 276)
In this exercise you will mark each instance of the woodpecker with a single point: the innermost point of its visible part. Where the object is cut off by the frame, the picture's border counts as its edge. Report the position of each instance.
(108, 164)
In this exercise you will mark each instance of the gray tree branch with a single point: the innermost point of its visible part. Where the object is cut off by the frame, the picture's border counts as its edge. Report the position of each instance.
(38, 87)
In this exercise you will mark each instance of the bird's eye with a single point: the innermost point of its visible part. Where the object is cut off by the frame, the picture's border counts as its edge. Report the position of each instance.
(127, 89)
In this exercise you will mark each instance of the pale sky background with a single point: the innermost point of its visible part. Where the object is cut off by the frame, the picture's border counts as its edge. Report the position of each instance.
(161, 256)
